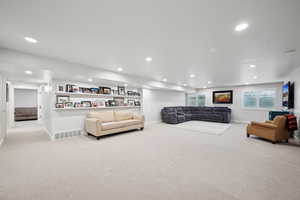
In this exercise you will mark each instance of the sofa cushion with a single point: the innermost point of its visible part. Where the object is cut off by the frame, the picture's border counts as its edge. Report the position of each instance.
(103, 116)
(123, 115)
(119, 124)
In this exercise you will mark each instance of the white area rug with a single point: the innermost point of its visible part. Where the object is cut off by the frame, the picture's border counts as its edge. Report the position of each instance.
(203, 127)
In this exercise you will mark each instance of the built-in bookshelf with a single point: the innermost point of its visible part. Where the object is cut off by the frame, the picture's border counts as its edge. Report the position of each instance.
(99, 108)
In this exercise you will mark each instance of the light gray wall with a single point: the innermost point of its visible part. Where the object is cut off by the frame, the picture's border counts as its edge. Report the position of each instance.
(26, 98)
(155, 100)
(239, 113)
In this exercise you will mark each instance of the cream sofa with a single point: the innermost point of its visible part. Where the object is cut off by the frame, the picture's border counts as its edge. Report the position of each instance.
(109, 122)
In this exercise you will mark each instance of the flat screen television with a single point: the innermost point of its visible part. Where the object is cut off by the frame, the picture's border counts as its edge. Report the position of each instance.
(288, 95)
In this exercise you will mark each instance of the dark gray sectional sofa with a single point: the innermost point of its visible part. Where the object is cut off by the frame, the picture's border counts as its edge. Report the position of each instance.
(179, 114)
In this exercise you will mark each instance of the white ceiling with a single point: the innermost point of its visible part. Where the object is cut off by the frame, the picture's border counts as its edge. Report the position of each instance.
(183, 37)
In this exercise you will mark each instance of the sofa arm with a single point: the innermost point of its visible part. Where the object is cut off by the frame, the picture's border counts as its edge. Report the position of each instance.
(139, 117)
(92, 125)
(265, 125)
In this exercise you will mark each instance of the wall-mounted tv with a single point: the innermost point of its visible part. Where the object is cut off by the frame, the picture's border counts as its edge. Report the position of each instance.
(288, 95)
(222, 97)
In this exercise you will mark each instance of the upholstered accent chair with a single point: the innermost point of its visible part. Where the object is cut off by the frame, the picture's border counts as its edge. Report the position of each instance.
(275, 130)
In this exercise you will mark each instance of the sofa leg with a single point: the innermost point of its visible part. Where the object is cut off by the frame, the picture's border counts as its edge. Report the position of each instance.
(98, 138)
(274, 142)
(142, 128)
(287, 141)
(248, 135)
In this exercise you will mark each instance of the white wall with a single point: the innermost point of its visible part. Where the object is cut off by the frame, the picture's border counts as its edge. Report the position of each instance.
(26, 98)
(294, 77)
(239, 113)
(155, 100)
(3, 117)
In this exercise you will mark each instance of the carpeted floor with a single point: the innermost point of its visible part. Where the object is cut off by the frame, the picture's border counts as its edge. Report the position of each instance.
(203, 127)
(158, 163)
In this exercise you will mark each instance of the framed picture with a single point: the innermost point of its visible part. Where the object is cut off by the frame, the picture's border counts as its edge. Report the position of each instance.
(77, 105)
(130, 102)
(137, 103)
(62, 99)
(59, 105)
(115, 92)
(121, 90)
(104, 90)
(94, 90)
(119, 101)
(222, 97)
(86, 103)
(68, 104)
(60, 88)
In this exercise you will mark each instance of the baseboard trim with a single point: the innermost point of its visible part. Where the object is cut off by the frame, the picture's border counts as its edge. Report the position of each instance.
(240, 122)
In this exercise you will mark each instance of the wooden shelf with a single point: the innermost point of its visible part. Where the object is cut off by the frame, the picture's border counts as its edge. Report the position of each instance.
(96, 95)
(98, 108)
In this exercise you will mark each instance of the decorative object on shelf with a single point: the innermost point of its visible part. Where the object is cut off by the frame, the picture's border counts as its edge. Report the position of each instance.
(104, 90)
(222, 97)
(68, 104)
(69, 88)
(133, 93)
(94, 90)
(137, 103)
(62, 99)
(86, 103)
(60, 88)
(77, 105)
(75, 88)
(121, 90)
(130, 102)
(59, 105)
(119, 101)
(115, 92)
(111, 103)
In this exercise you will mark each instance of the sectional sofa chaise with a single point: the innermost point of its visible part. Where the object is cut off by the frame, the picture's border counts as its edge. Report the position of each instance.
(179, 114)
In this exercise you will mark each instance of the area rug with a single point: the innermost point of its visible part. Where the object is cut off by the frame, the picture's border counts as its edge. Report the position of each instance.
(203, 127)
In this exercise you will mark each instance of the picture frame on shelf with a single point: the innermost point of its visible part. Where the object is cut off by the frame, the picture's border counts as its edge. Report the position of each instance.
(119, 101)
(137, 103)
(86, 104)
(69, 105)
(59, 105)
(111, 103)
(115, 92)
(121, 90)
(60, 88)
(94, 90)
(77, 105)
(75, 88)
(62, 99)
(130, 102)
(105, 90)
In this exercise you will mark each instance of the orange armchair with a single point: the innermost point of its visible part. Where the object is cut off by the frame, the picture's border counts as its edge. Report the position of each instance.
(275, 130)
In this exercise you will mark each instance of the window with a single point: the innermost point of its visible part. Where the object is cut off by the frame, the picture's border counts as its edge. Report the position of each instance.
(259, 98)
(196, 100)
(201, 100)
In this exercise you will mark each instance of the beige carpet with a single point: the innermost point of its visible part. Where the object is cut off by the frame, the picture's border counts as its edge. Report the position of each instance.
(203, 127)
(159, 163)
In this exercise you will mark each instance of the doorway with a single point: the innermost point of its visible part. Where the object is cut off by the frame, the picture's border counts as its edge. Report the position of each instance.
(25, 105)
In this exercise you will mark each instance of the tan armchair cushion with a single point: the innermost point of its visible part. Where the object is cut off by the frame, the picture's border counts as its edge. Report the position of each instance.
(103, 116)
(265, 125)
(123, 115)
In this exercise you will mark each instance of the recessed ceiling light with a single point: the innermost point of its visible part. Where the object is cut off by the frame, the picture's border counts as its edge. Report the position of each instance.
(90, 80)
(241, 27)
(165, 80)
(209, 82)
(148, 59)
(204, 86)
(255, 77)
(28, 72)
(246, 83)
(125, 84)
(192, 76)
(184, 84)
(30, 39)
(120, 69)
(252, 66)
